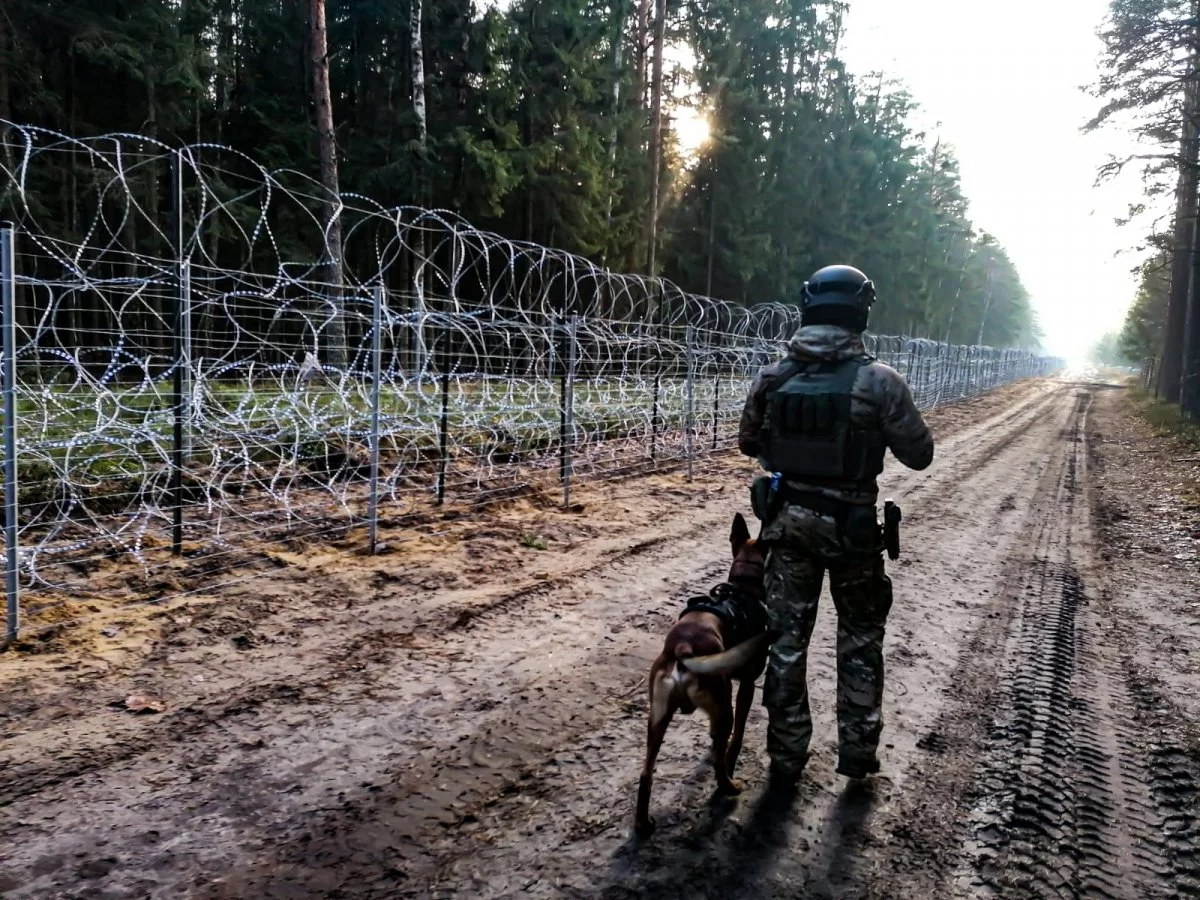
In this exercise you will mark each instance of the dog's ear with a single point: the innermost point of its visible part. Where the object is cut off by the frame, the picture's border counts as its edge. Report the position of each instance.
(740, 534)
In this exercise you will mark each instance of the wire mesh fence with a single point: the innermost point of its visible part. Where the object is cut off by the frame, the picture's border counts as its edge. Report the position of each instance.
(1149, 374)
(194, 368)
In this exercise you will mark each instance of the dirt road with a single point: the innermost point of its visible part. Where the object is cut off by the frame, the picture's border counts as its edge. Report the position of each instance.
(465, 717)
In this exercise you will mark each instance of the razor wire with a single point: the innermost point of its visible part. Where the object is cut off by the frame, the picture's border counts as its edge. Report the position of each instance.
(191, 378)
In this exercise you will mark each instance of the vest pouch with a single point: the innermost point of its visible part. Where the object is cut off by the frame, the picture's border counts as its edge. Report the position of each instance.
(812, 457)
(763, 503)
(808, 432)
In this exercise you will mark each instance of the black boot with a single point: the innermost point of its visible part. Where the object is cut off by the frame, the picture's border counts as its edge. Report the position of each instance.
(857, 765)
(783, 777)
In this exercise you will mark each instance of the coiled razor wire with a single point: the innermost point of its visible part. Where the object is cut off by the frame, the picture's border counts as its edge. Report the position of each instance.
(480, 341)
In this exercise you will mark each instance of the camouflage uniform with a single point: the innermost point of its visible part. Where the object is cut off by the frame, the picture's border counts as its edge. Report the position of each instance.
(843, 538)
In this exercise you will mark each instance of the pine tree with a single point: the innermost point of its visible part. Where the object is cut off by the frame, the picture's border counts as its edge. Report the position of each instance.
(331, 221)
(1149, 74)
(1141, 335)
(536, 123)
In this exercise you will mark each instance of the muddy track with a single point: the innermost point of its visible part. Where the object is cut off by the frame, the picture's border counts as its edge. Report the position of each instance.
(1055, 814)
(1067, 799)
(341, 657)
(484, 741)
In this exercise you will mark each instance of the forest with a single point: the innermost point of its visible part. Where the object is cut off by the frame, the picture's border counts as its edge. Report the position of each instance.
(556, 122)
(1150, 84)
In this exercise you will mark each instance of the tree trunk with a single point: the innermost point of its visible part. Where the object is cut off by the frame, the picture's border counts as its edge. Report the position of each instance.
(327, 151)
(615, 111)
(1189, 386)
(417, 59)
(525, 115)
(987, 302)
(660, 35)
(642, 44)
(418, 72)
(1189, 389)
(5, 91)
(226, 66)
(925, 269)
(157, 306)
(1185, 226)
(712, 229)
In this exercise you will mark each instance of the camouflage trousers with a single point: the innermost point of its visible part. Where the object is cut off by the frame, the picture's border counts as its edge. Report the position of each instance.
(803, 546)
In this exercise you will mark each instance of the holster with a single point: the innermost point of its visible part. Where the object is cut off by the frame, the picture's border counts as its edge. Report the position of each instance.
(891, 529)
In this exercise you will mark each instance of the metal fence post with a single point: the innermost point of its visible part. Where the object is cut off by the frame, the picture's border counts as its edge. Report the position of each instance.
(716, 408)
(444, 420)
(939, 365)
(656, 337)
(179, 407)
(185, 361)
(567, 436)
(559, 353)
(8, 321)
(689, 398)
(182, 289)
(376, 378)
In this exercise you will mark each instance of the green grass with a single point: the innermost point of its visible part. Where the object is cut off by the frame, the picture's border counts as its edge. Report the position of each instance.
(109, 445)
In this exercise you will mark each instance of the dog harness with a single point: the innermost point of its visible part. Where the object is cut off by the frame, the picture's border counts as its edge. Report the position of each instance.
(741, 612)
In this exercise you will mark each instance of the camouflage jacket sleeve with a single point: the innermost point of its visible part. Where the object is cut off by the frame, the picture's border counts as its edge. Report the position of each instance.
(904, 429)
(753, 414)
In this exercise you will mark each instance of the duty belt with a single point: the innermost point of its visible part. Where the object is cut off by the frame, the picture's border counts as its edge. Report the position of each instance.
(818, 503)
(838, 510)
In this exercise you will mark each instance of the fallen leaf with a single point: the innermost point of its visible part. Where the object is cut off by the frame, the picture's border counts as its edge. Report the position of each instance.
(144, 703)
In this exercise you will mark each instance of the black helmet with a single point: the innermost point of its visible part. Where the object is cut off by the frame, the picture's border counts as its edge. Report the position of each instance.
(838, 295)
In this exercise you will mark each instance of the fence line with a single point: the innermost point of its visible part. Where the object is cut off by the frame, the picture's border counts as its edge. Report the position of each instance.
(11, 521)
(197, 389)
(1150, 374)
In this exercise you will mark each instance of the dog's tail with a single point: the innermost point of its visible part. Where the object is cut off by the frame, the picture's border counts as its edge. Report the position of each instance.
(728, 660)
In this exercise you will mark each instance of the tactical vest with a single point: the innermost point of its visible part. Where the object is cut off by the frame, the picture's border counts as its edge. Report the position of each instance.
(807, 431)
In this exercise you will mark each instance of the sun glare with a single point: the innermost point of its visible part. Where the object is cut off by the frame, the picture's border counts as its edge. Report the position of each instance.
(692, 129)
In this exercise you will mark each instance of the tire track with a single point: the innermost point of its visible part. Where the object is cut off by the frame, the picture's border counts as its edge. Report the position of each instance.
(1070, 804)
(1172, 767)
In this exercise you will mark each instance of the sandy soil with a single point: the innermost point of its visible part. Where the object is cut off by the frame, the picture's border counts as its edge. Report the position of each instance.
(464, 716)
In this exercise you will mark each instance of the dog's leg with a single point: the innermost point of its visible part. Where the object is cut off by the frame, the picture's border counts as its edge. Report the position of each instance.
(719, 705)
(745, 699)
(662, 708)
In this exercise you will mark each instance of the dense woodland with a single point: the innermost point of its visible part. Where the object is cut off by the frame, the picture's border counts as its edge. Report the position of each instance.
(1150, 84)
(550, 121)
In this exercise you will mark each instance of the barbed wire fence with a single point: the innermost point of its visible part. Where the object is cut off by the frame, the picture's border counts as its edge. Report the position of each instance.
(182, 378)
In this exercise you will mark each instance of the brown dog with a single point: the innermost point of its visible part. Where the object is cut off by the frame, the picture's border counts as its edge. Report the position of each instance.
(696, 670)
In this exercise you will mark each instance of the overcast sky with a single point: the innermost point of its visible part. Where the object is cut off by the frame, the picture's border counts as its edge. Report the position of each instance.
(1004, 80)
